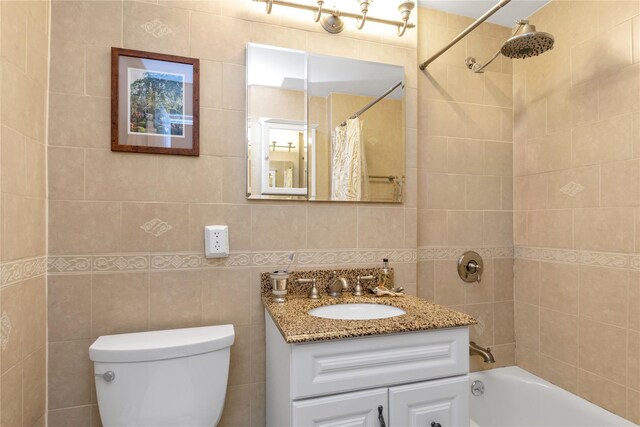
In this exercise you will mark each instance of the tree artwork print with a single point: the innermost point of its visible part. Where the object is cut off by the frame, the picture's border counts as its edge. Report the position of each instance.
(156, 103)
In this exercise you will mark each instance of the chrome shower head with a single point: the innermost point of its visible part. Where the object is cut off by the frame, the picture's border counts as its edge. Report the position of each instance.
(529, 43)
(524, 45)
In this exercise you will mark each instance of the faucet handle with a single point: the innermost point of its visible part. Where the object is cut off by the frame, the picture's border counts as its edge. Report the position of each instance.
(313, 292)
(357, 291)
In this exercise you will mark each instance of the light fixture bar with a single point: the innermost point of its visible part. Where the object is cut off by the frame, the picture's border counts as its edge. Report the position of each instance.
(318, 10)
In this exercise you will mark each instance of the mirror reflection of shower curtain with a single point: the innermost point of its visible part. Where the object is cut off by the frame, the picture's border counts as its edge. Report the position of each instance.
(349, 176)
(288, 178)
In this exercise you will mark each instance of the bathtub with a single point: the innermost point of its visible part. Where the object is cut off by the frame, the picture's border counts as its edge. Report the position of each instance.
(515, 398)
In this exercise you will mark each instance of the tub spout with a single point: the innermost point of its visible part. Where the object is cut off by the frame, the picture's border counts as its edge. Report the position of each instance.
(485, 353)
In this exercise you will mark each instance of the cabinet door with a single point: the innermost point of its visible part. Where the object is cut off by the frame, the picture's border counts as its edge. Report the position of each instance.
(359, 409)
(441, 402)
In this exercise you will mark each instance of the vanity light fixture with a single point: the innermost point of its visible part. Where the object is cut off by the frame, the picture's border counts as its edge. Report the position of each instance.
(333, 22)
(289, 146)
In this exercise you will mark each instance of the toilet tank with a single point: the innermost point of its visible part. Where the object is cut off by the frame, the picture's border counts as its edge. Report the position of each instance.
(162, 378)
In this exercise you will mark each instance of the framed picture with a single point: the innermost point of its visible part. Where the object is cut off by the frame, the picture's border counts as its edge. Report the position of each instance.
(154, 103)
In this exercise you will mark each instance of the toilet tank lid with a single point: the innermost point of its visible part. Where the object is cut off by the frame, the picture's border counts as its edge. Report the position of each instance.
(159, 345)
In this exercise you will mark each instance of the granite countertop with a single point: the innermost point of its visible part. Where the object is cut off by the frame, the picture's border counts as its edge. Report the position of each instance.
(297, 326)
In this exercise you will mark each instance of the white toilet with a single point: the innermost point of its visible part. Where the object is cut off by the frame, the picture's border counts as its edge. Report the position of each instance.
(163, 378)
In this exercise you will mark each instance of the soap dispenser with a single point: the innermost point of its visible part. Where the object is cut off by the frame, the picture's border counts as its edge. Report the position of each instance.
(386, 278)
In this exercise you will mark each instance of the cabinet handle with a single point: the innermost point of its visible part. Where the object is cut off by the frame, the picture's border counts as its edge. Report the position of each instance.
(435, 424)
(381, 417)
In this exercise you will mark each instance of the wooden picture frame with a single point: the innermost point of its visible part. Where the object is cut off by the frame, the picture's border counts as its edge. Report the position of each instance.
(155, 103)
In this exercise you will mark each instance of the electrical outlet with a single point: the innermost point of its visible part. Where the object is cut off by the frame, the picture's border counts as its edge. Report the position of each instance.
(216, 241)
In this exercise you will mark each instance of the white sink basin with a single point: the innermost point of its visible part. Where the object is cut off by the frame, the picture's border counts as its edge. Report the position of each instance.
(356, 311)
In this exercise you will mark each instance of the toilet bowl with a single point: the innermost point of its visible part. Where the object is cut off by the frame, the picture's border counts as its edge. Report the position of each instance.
(162, 378)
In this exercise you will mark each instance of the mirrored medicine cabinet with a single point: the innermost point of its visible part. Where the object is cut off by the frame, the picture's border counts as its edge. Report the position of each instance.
(324, 128)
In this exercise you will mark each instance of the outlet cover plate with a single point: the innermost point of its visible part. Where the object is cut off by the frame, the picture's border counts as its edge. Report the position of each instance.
(216, 241)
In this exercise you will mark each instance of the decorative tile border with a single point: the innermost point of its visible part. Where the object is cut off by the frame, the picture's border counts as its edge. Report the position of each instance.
(24, 269)
(451, 253)
(196, 260)
(5, 330)
(17, 271)
(568, 256)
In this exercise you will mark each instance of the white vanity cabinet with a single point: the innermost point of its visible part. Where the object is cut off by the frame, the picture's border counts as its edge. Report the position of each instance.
(444, 401)
(411, 379)
(357, 409)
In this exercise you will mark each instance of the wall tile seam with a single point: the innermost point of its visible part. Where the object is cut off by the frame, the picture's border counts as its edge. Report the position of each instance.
(25, 357)
(88, 405)
(571, 128)
(28, 139)
(573, 316)
(464, 138)
(470, 174)
(424, 103)
(603, 30)
(465, 68)
(573, 168)
(619, 260)
(569, 208)
(579, 368)
(426, 134)
(129, 262)
(25, 195)
(582, 317)
(77, 95)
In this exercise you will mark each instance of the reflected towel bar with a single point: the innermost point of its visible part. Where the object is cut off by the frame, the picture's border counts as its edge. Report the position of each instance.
(389, 178)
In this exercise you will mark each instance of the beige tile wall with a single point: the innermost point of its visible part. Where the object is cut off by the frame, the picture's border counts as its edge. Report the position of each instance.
(99, 199)
(24, 30)
(577, 187)
(459, 153)
(465, 177)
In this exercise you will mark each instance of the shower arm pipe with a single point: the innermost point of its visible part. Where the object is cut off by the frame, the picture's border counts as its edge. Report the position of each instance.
(477, 68)
(463, 34)
(320, 10)
(372, 103)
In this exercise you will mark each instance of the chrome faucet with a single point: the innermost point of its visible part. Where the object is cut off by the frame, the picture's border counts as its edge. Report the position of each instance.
(337, 285)
(485, 353)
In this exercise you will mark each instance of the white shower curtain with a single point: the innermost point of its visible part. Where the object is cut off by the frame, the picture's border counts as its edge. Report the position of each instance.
(349, 176)
(288, 178)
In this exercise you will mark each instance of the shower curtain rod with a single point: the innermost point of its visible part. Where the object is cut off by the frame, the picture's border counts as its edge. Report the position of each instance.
(372, 103)
(470, 28)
